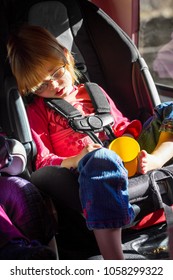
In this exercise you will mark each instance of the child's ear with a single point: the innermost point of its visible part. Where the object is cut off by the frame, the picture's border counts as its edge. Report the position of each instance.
(66, 53)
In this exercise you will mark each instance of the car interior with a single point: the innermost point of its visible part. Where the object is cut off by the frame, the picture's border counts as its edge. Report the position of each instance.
(105, 55)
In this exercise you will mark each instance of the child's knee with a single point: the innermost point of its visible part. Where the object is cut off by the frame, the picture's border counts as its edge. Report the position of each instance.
(101, 160)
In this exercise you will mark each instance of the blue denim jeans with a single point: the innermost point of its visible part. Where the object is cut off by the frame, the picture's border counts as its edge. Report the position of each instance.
(162, 120)
(103, 190)
(23, 213)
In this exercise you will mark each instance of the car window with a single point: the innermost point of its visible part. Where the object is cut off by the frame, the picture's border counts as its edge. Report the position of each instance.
(156, 38)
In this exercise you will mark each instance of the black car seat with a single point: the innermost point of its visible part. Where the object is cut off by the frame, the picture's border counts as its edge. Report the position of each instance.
(108, 58)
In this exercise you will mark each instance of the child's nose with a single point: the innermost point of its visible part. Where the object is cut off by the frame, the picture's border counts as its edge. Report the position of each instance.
(54, 83)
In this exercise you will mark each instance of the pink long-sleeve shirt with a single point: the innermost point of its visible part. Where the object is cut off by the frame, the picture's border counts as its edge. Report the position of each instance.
(56, 140)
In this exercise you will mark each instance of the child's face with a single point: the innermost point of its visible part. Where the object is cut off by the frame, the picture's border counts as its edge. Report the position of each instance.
(57, 85)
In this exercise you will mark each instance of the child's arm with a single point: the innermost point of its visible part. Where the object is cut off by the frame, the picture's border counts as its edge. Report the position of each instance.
(39, 123)
(123, 125)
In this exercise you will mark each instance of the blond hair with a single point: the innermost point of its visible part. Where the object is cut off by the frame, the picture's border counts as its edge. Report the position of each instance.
(33, 53)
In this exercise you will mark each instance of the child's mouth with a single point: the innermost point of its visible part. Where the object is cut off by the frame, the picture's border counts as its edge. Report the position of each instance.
(60, 92)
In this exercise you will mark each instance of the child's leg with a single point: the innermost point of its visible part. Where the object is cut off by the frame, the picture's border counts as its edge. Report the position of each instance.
(162, 153)
(109, 242)
(104, 197)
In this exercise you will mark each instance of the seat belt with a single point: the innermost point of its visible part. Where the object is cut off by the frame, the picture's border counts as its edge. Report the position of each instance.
(167, 206)
(102, 120)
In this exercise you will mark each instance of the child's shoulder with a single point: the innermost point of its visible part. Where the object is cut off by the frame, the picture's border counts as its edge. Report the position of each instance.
(37, 103)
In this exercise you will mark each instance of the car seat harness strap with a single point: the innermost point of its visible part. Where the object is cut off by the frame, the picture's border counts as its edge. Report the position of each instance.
(165, 185)
(102, 120)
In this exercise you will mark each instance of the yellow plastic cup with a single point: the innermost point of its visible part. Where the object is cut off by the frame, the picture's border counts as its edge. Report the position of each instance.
(127, 148)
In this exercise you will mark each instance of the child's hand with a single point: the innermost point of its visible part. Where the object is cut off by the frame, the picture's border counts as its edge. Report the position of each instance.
(73, 161)
(89, 148)
(128, 135)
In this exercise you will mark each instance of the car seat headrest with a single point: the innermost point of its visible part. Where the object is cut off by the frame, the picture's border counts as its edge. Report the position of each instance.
(53, 16)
